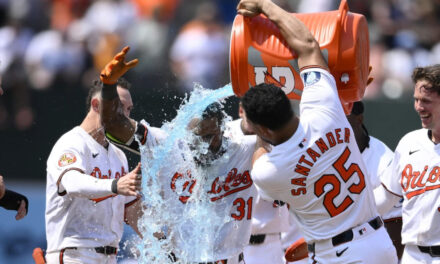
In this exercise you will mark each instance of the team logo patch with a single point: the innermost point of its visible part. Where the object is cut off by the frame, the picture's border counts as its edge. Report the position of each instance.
(66, 159)
(311, 78)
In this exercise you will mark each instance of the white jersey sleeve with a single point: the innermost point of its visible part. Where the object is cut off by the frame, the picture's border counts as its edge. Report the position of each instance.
(320, 96)
(76, 183)
(390, 177)
(377, 157)
(65, 157)
(153, 137)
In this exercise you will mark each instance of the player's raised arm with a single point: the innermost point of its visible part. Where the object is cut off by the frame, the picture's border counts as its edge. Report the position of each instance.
(294, 31)
(117, 125)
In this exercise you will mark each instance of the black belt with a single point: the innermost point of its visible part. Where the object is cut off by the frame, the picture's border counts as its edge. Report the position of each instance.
(224, 261)
(434, 251)
(348, 235)
(257, 239)
(107, 250)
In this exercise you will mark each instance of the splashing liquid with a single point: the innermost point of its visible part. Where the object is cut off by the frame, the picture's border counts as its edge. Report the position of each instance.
(185, 217)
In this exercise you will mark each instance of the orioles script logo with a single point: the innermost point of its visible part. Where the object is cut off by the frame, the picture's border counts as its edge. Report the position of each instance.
(233, 183)
(98, 174)
(415, 183)
(189, 183)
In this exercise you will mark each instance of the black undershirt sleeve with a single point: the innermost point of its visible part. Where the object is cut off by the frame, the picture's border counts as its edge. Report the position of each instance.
(12, 200)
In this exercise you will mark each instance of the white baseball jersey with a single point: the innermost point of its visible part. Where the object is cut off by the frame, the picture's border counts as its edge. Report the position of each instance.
(73, 221)
(267, 217)
(231, 194)
(414, 174)
(319, 171)
(377, 157)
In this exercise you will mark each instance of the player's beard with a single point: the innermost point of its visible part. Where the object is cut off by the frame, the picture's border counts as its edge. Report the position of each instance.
(206, 160)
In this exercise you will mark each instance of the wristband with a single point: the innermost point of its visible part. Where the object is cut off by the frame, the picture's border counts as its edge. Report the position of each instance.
(115, 186)
(109, 91)
(12, 200)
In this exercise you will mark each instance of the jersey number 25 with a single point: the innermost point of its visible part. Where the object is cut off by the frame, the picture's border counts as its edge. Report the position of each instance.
(335, 182)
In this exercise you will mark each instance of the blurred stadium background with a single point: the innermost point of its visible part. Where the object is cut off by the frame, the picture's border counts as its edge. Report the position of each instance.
(51, 50)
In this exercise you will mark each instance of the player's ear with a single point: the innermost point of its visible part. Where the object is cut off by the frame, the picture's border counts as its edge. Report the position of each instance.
(95, 104)
(240, 110)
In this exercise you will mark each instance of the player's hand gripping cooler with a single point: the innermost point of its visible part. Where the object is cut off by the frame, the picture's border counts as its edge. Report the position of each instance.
(258, 53)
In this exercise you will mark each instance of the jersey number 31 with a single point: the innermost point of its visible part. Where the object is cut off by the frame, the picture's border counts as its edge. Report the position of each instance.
(335, 182)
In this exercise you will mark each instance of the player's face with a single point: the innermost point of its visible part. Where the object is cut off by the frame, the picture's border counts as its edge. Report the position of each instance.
(427, 105)
(127, 102)
(209, 132)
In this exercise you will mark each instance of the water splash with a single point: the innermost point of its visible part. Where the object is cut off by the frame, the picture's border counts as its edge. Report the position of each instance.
(164, 213)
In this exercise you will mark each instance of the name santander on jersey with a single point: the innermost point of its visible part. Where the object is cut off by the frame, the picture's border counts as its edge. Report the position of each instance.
(313, 153)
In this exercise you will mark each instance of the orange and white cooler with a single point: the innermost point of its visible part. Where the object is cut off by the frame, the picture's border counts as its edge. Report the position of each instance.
(258, 53)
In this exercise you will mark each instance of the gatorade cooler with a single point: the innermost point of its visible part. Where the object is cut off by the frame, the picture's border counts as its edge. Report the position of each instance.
(258, 53)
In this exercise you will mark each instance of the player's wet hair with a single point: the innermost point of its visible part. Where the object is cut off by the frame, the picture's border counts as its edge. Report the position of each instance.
(96, 88)
(267, 105)
(430, 74)
(214, 110)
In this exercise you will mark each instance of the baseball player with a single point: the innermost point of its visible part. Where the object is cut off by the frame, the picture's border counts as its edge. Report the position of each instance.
(414, 174)
(269, 219)
(87, 195)
(377, 157)
(226, 165)
(11, 200)
(315, 165)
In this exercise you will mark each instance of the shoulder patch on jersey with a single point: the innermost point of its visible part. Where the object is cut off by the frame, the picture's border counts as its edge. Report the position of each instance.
(310, 78)
(66, 159)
